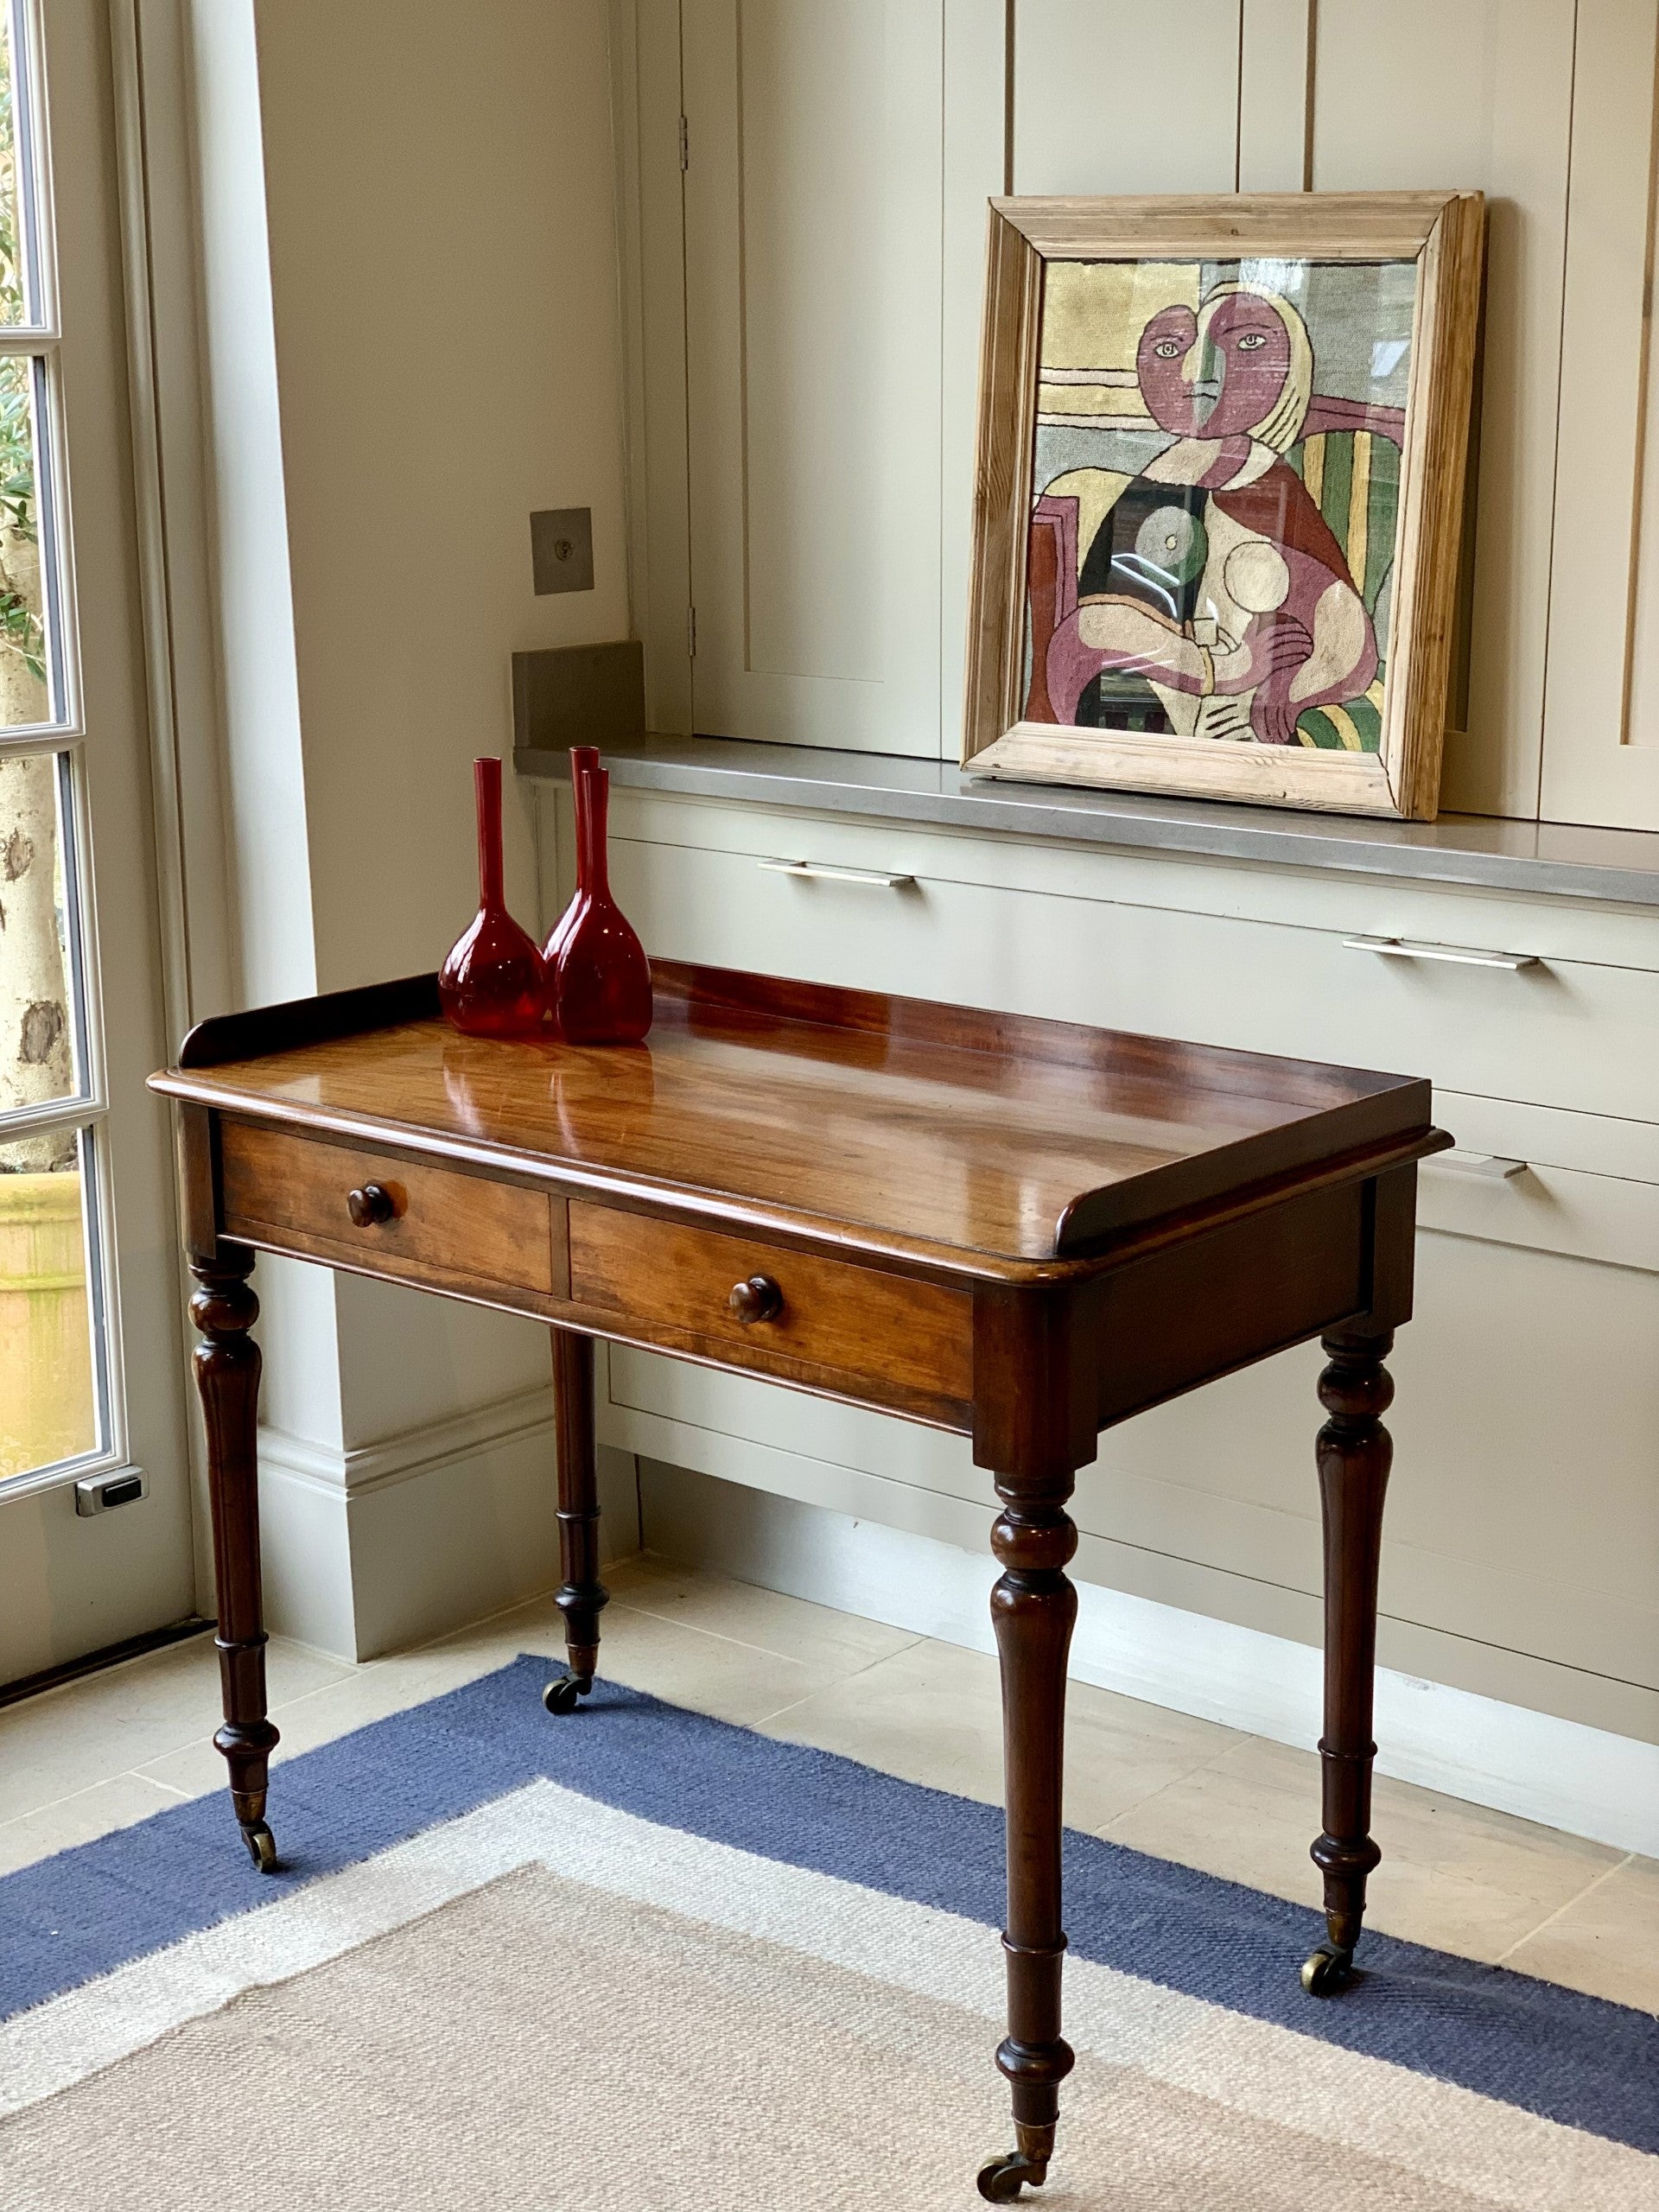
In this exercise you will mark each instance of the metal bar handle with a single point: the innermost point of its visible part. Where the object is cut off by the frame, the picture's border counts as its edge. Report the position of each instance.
(821, 871)
(1464, 955)
(1484, 1166)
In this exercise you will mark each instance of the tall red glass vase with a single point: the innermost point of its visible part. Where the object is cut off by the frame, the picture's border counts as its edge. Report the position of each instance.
(600, 979)
(494, 983)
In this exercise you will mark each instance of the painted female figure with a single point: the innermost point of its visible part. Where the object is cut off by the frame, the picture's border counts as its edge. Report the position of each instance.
(1213, 576)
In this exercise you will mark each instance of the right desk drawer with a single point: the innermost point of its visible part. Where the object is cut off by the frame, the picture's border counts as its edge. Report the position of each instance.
(835, 1314)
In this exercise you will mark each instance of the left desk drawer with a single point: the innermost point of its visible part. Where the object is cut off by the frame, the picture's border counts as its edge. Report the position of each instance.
(400, 1216)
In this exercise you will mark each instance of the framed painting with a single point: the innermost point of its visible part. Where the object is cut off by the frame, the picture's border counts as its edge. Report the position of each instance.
(1219, 505)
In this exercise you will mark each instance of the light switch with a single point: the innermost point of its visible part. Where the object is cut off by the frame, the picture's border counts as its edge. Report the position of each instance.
(561, 548)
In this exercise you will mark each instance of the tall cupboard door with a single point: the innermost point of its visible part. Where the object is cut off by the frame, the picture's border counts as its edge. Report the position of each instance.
(1478, 96)
(814, 180)
(1110, 95)
(1601, 726)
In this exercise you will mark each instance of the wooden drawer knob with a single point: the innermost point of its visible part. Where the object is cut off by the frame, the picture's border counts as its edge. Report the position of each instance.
(757, 1300)
(371, 1204)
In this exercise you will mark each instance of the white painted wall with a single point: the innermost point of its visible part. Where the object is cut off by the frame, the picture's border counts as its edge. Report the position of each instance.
(409, 322)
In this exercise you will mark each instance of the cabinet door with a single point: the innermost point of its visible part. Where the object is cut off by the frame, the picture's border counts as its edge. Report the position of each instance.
(1110, 95)
(813, 242)
(1275, 95)
(1477, 96)
(1601, 727)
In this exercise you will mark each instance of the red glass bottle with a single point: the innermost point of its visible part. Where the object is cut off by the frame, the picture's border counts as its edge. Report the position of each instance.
(600, 979)
(584, 760)
(494, 983)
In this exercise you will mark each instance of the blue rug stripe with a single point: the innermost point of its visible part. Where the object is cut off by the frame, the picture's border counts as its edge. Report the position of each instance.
(1575, 2059)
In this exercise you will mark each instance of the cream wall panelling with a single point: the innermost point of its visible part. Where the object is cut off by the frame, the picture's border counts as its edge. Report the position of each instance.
(833, 220)
(1211, 96)
(1337, 97)
(1346, 95)
(1601, 744)
(1110, 95)
(1487, 1750)
(1419, 93)
(814, 296)
(975, 156)
(647, 102)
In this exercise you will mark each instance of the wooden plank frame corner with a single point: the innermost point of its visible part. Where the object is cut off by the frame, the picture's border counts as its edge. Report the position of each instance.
(1008, 423)
(1444, 234)
(1444, 343)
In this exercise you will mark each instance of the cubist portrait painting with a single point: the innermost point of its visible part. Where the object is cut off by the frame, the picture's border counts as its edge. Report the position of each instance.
(1217, 499)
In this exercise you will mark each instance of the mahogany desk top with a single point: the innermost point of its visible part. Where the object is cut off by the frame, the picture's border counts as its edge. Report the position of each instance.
(983, 1145)
(1023, 1229)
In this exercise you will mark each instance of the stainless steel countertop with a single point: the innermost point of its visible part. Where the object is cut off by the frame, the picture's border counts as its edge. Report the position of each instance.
(1550, 859)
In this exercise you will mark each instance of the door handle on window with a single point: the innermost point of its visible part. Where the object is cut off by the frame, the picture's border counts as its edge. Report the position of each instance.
(821, 871)
(1484, 1167)
(1463, 956)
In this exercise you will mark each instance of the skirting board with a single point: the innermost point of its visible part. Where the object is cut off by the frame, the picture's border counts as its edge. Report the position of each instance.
(372, 1550)
(1584, 1780)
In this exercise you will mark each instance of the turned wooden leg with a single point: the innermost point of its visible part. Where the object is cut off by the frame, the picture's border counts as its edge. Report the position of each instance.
(1354, 1452)
(227, 1363)
(583, 1593)
(1034, 1606)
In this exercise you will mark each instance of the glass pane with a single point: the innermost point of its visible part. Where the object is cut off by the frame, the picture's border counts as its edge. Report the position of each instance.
(16, 270)
(1218, 453)
(25, 693)
(48, 1389)
(39, 1061)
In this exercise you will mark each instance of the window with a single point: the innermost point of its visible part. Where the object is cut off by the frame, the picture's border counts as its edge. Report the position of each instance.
(55, 1395)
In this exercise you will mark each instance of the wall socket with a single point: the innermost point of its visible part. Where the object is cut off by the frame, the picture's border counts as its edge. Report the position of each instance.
(561, 548)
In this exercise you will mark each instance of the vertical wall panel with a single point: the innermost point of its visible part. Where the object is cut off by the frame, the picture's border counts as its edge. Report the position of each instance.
(1275, 83)
(976, 43)
(1478, 95)
(645, 37)
(813, 269)
(1112, 95)
(1601, 745)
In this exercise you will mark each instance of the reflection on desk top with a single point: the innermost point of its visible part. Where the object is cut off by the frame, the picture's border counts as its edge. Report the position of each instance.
(980, 1142)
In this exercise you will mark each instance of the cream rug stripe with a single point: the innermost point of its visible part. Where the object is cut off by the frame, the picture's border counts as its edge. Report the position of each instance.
(1483, 2149)
(539, 2046)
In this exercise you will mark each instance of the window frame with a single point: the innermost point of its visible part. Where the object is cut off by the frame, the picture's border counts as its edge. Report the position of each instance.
(64, 738)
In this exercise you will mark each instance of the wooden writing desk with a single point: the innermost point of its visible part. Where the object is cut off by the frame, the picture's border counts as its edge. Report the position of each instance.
(1019, 1229)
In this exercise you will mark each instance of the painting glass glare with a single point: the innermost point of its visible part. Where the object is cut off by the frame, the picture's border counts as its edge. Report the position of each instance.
(1216, 498)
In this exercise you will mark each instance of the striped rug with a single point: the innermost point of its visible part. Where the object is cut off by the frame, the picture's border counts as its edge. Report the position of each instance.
(639, 1958)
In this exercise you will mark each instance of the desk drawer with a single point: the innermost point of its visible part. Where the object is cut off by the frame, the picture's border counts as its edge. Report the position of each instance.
(831, 1314)
(442, 1221)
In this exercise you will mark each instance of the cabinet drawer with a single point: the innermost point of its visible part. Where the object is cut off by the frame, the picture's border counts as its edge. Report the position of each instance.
(1578, 1185)
(1575, 1034)
(442, 1222)
(831, 1313)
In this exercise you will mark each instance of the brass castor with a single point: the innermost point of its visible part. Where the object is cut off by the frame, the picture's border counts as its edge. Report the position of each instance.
(1002, 2179)
(561, 1696)
(1327, 1970)
(261, 1846)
